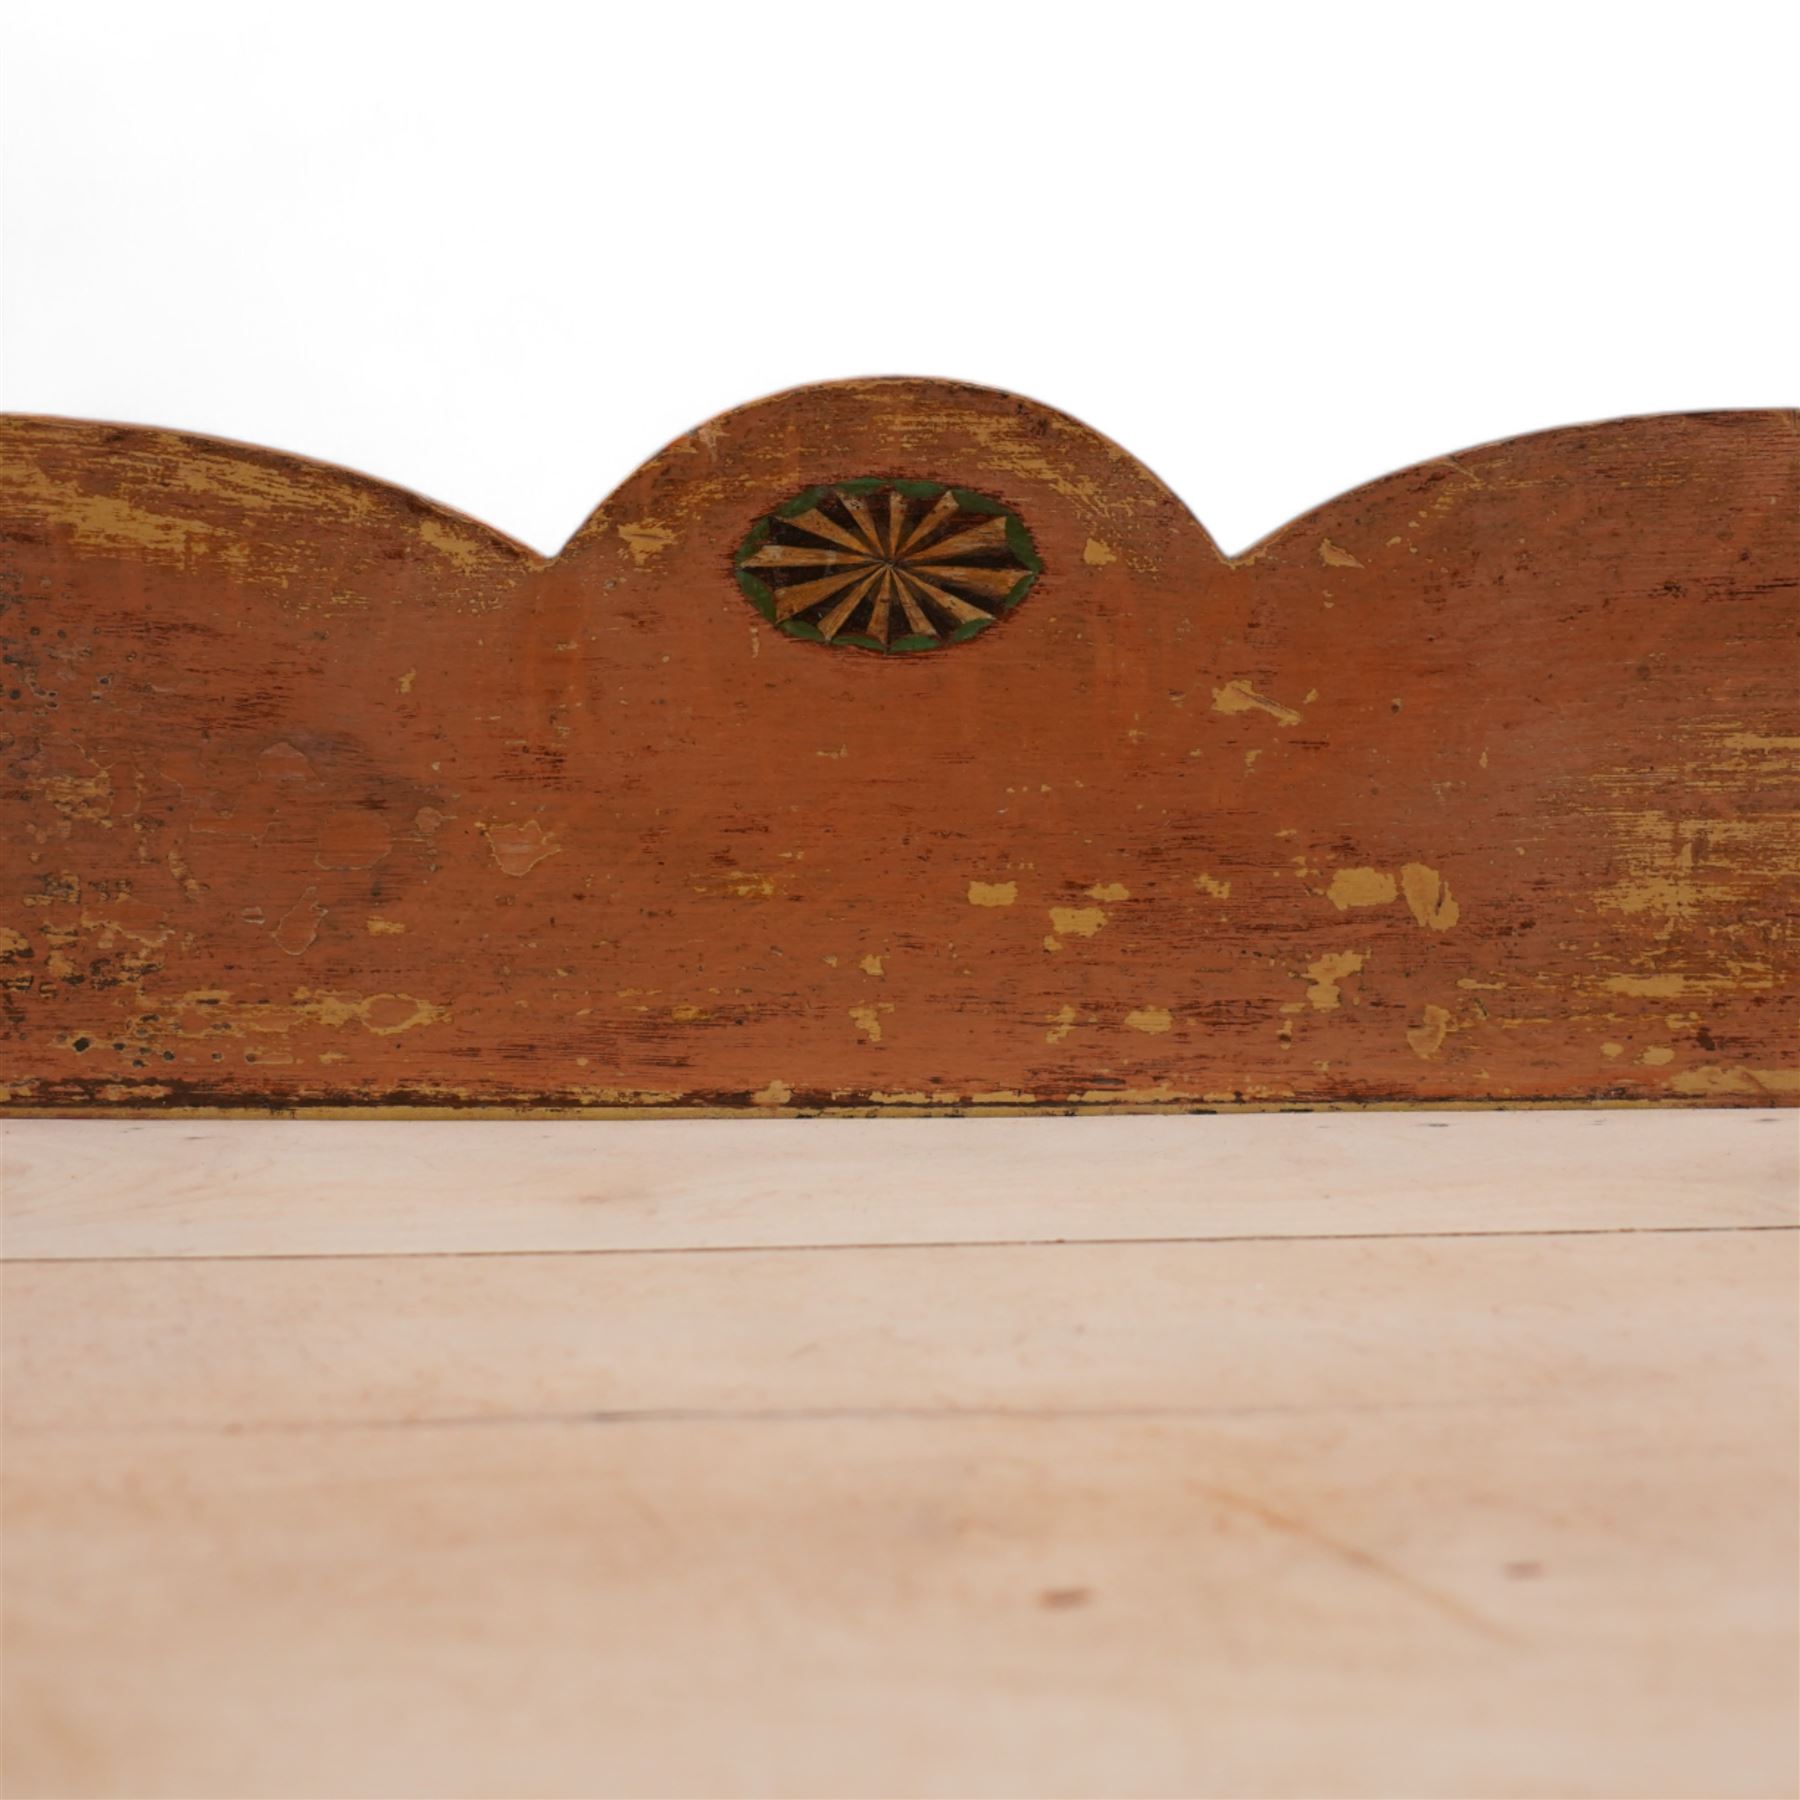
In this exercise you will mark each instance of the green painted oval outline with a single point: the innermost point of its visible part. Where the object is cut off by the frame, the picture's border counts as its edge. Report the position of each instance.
(762, 597)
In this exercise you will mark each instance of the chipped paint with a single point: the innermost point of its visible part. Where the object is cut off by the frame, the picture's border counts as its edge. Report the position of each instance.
(461, 549)
(777, 1093)
(868, 1019)
(1360, 887)
(299, 925)
(386, 1015)
(1715, 1079)
(210, 1012)
(1427, 1037)
(993, 893)
(1076, 921)
(1158, 1095)
(1647, 987)
(1153, 1020)
(1327, 973)
(737, 884)
(186, 796)
(518, 849)
(1240, 697)
(1429, 898)
(646, 539)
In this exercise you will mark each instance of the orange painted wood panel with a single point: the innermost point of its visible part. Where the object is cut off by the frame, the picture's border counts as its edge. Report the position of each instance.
(901, 745)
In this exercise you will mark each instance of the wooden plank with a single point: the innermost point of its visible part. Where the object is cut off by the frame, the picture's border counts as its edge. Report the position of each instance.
(1479, 783)
(224, 1188)
(1278, 1326)
(1589, 1593)
(1467, 1475)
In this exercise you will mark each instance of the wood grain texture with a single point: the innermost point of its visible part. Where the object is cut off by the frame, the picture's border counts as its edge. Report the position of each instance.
(209, 1188)
(1409, 1513)
(1480, 783)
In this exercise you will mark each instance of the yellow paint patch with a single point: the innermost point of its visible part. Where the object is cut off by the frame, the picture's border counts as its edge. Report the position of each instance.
(1211, 884)
(1327, 973)
(407, 680)
(1360, 887)
(1657, 1055)
(122, 1092)
(1109, 1096)
(299, 925)
(1096, 553)
(518, 849)
(1240, 697)
(1154, 1020)
(135, 919)
(203, 1009)
(868, 1020)
(872, 965)
(104, 522)
(1428, 895)
(1610, 1049)
(387, 1014)
(13, 943)
(464, 551)
(377, 927)
(1076, 921)
(1648, 987)
(777, 1093)
(1061, 1023)
(646, 539)
(1110, 890)
(1427, 1039)
(1335, 557)
(735, 884)
(993, 893)
(1717, 1080)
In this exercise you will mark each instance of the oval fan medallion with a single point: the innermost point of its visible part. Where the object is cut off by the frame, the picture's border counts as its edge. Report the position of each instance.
(891, 566)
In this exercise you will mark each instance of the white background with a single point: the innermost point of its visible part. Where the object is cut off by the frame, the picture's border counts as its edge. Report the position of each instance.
(500, 253)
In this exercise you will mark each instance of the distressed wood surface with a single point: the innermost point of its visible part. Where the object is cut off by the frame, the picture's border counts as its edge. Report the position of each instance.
(1503, 1504)
(901, 745)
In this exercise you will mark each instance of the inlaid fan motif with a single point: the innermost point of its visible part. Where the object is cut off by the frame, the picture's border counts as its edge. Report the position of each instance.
(887, 565)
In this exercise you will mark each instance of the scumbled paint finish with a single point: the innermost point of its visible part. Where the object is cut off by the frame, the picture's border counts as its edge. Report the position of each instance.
(1478, 784)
